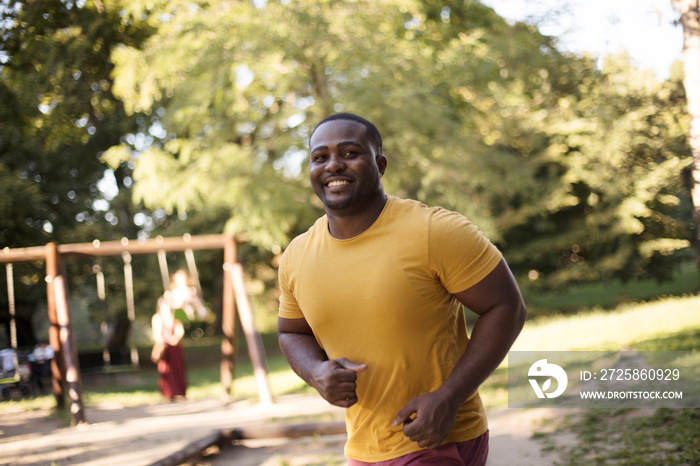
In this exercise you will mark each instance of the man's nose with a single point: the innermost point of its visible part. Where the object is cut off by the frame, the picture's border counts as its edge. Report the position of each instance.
(335, 164)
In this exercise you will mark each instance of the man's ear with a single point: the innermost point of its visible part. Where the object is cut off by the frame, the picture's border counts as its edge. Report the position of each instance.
(381, 164)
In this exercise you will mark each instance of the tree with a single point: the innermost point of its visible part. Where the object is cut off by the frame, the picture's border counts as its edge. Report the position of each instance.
(478, 115)
(235, 105)
(614, 205)
(58, 114)
(690, 20)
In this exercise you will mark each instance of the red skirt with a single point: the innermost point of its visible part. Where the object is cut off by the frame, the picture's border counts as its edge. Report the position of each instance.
(173, 376)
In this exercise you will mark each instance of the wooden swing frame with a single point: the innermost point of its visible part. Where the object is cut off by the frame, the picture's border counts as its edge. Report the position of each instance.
(65, 369)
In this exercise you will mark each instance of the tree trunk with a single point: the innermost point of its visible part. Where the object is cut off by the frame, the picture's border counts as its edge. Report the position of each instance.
(690, 20)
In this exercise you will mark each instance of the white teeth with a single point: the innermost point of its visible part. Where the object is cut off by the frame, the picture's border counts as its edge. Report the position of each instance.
(337, 183)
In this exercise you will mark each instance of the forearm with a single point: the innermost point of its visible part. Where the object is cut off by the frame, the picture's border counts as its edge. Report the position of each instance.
(303, 353)
(335, 380)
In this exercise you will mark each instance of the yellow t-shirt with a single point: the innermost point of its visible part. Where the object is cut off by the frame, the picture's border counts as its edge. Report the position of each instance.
(383, 299)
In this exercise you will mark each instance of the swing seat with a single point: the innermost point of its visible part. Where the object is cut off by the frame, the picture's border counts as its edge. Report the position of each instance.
(12, 384)
(15, 381)
(9, 379)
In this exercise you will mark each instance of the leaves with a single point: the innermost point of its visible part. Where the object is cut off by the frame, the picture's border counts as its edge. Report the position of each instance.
(58, 113)
(572, 170)
(542, 150)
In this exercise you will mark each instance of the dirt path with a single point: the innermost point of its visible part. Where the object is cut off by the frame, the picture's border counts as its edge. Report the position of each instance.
(511, 442)
(147, 434)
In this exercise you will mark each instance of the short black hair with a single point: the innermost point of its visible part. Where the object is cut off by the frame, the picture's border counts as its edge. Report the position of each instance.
(372, 130)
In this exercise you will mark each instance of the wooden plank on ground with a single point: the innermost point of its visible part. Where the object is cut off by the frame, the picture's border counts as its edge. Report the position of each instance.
(286, 430)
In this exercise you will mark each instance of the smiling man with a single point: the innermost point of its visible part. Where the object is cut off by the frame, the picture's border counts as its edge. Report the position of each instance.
(371, 309)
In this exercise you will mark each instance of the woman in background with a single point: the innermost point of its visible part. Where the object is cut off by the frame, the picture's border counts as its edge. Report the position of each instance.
(185, 299)
(171, 365)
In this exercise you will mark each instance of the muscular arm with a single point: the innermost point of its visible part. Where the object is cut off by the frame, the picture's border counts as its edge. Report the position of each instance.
(497, 301)
(334, 379)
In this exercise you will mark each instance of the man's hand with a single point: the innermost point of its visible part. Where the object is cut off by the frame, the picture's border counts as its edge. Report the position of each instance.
(335, 381)
(427, 419)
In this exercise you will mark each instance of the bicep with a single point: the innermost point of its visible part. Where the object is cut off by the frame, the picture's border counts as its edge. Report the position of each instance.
(293, 326)
(497, 288)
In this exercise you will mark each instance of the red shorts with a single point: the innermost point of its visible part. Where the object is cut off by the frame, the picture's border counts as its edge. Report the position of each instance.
(470, 453)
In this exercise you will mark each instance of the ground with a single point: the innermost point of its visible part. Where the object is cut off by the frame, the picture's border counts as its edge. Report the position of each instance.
(511, 443)
(150, 434)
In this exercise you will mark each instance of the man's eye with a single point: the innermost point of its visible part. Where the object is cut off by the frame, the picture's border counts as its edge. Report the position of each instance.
(319, 158)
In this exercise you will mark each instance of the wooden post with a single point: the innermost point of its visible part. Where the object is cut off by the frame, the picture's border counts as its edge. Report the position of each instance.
(192, 267)
(130, 307)
(252, 337)
(228, 321)
(164, 273)
(67, 342)
(13, 319)
(58, 371)
(115, 248)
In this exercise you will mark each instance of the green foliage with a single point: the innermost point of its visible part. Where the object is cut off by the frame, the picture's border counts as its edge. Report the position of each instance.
(235, 131)
(619, 207)
(573, 171)
(58, 114)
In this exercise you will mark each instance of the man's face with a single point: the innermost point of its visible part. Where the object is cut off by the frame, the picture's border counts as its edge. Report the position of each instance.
(344, 168)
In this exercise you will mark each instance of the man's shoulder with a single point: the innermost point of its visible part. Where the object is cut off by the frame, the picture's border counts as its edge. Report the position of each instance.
(303, 239)
(439, 221)
(406, 207)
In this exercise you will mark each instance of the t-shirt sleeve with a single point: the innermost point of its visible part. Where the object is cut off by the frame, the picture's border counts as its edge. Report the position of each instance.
(289, 308)
(460, 255)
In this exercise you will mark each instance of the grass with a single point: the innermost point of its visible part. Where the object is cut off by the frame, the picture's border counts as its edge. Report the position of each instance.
(622, 327)
(640, 436)
(611, 294)
(672, 324)
(644, 316)
(633, 437)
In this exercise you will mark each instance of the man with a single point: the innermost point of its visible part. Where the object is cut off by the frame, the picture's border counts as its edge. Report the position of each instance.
(371, 309)
(40, 363)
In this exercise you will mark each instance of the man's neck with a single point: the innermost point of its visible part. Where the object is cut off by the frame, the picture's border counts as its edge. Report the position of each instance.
(349, 225)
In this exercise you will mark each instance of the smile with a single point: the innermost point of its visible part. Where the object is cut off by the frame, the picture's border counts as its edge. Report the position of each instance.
(335, 183)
